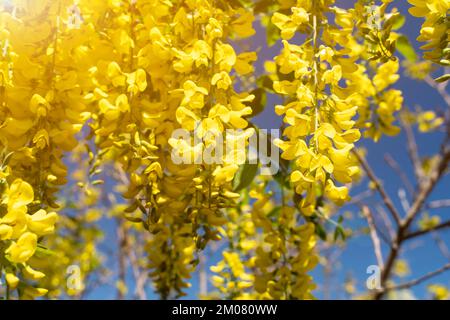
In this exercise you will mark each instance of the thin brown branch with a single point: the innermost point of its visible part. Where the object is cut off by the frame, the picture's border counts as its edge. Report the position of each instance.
(425, 189)
(373, 234)
(396, 167)
(417, 281)
(426, 231)
(413, 150)
(385, 197)
(386, 221)
(428, 186)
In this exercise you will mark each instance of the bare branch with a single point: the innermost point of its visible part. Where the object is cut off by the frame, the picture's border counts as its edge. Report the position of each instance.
(373, 234)
(396, 167)
(413, 150)
(438, 204)
(424, 191)
(428, 186)
(387, 222)
(419, 280)
(426, 231)
(385, 197)
(441, 245)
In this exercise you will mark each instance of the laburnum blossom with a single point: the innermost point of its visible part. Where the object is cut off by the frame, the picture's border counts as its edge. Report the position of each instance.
(434, 30)
(44, 73)
(319, 114)
(19, 232)
(168, 65)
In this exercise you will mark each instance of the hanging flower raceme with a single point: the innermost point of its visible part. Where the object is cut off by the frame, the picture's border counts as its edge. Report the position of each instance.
(164, 66)
(41, 110)
(434, 30)
(318, 111)
(211, 113)
(373, 40)
(20, 230)
(43, 76)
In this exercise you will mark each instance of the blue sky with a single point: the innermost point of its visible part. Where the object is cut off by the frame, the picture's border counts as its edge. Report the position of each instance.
(423, 254)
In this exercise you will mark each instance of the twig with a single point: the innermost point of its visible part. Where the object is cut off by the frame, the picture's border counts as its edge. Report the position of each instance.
(441, 245)
(418, 280)
(387, 222)
(413, 150)
(438, 204)
(385, 197)
(373, 234)
(424, 191)
(396, 167)
(425, 231)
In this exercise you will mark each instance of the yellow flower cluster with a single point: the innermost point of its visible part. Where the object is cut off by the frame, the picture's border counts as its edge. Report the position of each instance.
(40, 114)
(160, 66)
(269, 254)
(233, 277)
(286, 255)
(19, 233)
(324, 88)
(434, 30)
(132, 72)
(318, 111)
(42, 105)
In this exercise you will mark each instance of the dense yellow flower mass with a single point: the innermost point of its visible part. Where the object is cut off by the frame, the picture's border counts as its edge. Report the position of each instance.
(118, 78)
(434, 30)
(324, 89)
(320, 131)
(19, 232)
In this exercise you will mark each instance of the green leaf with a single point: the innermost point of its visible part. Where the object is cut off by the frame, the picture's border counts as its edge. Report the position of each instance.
(406, 49)
(42, 251)
(133, 219)
(320, 231)
(339, 232)
(399, 22)
(245, 175)
(443, 78)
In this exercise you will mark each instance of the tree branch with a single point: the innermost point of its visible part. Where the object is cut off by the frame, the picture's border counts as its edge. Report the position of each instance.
(426, 231)
(385, 197)
(418, 280)
(373, 234)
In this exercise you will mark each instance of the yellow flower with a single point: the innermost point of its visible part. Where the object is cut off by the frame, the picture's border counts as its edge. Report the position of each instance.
(41, 139)
(194, 96)
(32, 274)
(333, 76)
(19, 194)
(13, 224)
(428, 121)
(12, 280)
(337, 194)
(23, 249)
(41, 222)
(242, 26)
(386, 75)
(222, 80)
(31, 293)
(244, 61)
